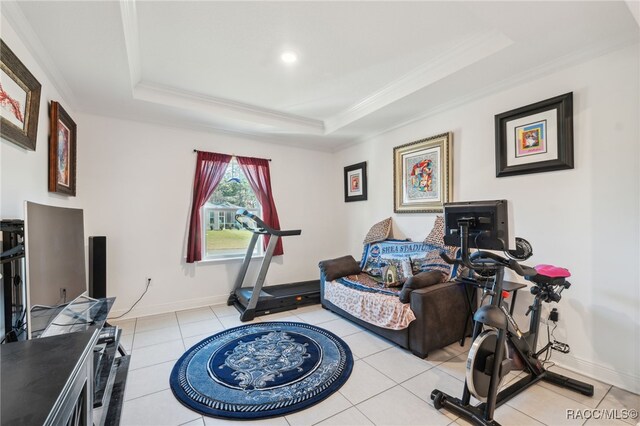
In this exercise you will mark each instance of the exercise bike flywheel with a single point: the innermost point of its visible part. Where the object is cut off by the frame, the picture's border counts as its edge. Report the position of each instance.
(478, 370)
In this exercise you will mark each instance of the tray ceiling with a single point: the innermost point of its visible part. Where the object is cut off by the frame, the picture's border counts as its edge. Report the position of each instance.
(363, 67)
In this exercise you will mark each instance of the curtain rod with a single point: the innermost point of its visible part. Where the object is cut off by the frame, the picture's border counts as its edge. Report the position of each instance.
(233, 155)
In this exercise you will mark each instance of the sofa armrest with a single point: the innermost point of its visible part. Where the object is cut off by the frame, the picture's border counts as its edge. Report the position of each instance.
(442, 316)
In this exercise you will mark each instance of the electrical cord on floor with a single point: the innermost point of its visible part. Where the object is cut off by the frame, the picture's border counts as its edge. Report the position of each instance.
(136, 302)
(549, 351)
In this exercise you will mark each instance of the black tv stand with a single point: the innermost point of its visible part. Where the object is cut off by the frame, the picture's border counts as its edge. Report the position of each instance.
(87, 384)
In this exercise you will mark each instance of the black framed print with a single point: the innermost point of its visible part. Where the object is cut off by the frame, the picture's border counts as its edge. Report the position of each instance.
(535, 138)
(355, 182)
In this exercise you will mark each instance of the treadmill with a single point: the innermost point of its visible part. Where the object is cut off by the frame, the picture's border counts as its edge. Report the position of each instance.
(256, 300)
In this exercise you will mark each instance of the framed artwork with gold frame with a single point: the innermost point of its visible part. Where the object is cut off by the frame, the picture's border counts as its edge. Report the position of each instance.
(422, 175)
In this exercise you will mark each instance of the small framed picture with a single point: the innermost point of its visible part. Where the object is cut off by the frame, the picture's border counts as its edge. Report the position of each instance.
(19, 101)
(355, 182)
(62, 152)
(422, 175)
(535, 138)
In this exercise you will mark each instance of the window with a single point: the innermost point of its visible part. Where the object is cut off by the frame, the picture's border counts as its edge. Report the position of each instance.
(223, 236)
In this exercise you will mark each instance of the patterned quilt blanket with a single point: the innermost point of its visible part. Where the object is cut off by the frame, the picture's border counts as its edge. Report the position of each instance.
(387, 257)
(379, 307)
(372, 295)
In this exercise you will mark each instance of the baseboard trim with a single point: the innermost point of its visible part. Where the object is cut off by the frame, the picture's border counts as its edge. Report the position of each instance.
(163, 308)
(620, 379)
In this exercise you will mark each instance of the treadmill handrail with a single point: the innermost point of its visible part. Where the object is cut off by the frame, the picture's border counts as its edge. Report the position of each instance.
(262, 227)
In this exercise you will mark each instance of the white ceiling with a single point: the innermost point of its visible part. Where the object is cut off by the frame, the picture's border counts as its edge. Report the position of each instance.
(364, 67)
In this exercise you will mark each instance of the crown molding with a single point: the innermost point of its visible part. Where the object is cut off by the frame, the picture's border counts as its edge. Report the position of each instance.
(129, 15)
(572, 59)
(275, 121)
(20, 24)
(469, 51)
(321, 145)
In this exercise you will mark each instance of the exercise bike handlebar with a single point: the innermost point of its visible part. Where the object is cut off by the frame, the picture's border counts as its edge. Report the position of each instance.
(479, 259)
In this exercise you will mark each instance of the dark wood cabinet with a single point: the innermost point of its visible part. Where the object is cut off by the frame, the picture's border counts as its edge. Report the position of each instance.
(70, 378)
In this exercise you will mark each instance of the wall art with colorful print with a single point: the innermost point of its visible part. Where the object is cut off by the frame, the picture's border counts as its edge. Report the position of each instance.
(535, 138)
(422, 175)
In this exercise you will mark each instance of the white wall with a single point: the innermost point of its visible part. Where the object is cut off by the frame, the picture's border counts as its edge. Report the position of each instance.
(586, 219)
(138, 185)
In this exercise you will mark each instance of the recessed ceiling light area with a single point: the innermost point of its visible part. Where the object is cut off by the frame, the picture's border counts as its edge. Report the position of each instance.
(289, 57)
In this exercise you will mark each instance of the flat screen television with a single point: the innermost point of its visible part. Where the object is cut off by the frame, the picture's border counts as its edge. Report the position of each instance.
(489, 224)
(55, 255)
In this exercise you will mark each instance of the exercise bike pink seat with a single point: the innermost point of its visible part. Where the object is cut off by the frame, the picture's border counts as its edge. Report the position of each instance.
(552, 271)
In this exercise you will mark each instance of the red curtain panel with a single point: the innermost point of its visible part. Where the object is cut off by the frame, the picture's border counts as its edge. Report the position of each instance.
(257, 172)
(210, 168)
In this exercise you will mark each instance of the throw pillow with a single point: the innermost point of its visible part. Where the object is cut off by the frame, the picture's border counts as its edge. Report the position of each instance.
(379, 232)
(339, 267)
(436, 236)
(433, 262)
(421, 280)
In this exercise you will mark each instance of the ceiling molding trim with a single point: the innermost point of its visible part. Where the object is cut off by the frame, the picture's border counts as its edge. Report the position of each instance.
(16, 18)
(467, 52)
(572, 59)
(319, 146)
(634, 8)
(129, 15)
(287, 123)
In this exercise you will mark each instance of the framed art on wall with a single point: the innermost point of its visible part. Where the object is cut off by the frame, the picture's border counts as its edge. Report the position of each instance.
(62, 152)
(355, 182)
(19, 101)
(535, 138)
(422, 175)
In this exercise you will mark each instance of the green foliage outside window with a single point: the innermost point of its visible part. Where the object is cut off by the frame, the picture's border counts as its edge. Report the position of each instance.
(234, 189)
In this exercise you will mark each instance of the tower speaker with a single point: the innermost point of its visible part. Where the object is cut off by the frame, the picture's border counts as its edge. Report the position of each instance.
(97, 267)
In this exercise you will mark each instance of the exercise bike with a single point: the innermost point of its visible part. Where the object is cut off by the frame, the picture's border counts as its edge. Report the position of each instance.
(495, 332)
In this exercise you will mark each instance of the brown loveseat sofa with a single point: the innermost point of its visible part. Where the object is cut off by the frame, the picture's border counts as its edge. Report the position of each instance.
(440, 308)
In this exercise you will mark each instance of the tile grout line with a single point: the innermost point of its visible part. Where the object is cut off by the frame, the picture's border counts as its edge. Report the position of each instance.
(333, 415)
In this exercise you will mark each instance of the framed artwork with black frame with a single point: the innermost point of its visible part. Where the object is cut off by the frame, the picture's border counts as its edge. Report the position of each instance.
(422, 175)
(535, 138)
(19, 101)
(355, 182)
(62, 152)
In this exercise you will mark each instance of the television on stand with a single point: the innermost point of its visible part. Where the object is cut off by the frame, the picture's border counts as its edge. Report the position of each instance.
(55, 264)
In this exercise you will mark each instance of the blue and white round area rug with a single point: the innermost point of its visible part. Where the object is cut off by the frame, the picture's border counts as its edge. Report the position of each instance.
(261, 370)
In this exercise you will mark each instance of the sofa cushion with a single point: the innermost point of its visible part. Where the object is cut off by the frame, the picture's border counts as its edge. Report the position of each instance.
(379, 232)
(421, 280)
(339, 267)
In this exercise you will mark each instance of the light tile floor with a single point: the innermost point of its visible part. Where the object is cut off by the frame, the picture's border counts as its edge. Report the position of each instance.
(388, 385)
